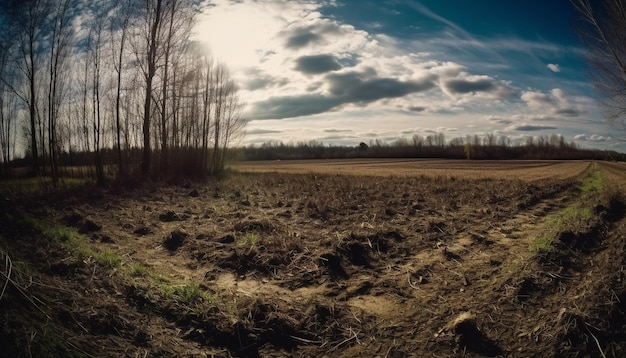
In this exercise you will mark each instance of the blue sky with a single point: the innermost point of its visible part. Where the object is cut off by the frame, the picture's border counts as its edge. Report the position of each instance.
(343, 72)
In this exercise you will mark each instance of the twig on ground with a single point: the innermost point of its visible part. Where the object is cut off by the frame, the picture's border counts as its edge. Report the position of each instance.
(595, 339)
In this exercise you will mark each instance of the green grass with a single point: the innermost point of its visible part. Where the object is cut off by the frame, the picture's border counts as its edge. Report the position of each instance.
(186, 293)
(191, 292)
(137, 270)
(71, 240)
(59, 233)
(573, 216)
(594, 182)
(541, 244)
(252, 239)
(106, 258)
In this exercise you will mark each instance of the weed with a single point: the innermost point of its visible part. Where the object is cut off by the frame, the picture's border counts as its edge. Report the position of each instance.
(107, 258)
(252, 239)
(137, 270)
(187, 293)
(191, 292)
(542, 244)
(572, 215)
(54, 232)
(163, 278)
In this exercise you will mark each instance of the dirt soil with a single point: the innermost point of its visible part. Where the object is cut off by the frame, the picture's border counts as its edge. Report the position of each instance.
(318, 265)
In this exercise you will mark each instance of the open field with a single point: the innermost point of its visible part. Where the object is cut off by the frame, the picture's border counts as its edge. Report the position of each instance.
(527, 170)
(327, 258)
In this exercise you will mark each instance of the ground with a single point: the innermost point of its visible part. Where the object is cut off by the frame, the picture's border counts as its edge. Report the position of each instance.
(326, 258)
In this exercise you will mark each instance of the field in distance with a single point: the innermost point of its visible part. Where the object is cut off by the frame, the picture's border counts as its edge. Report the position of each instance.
(527, 170)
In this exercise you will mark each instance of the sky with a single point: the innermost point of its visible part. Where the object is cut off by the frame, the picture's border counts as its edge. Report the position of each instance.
(343, 72)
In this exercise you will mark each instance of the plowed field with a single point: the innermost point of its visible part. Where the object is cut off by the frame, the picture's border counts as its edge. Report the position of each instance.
(327, 258)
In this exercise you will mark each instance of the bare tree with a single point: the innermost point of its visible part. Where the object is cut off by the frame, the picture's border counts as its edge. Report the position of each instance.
(120, 24)
(601, 28)
(95, 42)
(59, 46)
(27, 20)
(8, 110)
(148, 56)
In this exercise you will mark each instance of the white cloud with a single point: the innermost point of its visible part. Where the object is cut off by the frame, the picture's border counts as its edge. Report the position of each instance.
(320, 73)
(554, 67)
(556, 102)
(592, 138)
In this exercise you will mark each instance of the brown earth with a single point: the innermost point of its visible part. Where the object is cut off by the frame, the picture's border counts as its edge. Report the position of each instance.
(323, 264)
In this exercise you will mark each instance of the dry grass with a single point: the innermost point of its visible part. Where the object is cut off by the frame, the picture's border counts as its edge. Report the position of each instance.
(530, 170)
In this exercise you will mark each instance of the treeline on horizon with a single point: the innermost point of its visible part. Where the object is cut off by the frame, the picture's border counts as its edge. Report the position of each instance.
(489, 147)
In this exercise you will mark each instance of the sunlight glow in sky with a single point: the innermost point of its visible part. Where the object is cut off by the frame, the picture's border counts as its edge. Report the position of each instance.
(347, 71)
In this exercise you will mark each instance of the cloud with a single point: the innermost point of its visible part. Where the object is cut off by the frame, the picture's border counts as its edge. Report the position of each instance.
(305, 36)
(416, 108)
(461, 86)
(349, 87)
(302, 39)
(262, 131)
(592, 138)
(429, 13)
(554, 67)
(366, 87)
(293, 106)
(498, 119)
(465, 84)
(555, 102)
(261, 82)
(332, 130)
(530, 127)
(317, 64)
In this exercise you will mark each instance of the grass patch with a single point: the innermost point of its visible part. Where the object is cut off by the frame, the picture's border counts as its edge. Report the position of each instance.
(107, 258)
(252, 239)
(541, 244)
(163, 278)
(576, 215)
(137, 270)
(71, 240)
(191, 292)
(186, 293)
(594, 182)
(59, 233)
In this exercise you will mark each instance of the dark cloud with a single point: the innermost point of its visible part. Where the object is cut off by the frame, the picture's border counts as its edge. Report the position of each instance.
(531, 128)
(365, 87)
(352, 87)
(302, 39)
(317, 64)
(417, 109)
(304, 36)
(293, 106)
(263, 83)
(499, 120)
(462, 86)
(568, 112)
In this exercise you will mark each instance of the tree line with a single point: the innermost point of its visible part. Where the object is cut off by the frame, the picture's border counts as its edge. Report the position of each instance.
(486, 147)
(117, 83)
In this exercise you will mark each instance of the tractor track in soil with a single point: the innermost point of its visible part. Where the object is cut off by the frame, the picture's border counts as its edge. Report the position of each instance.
(327, 265)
